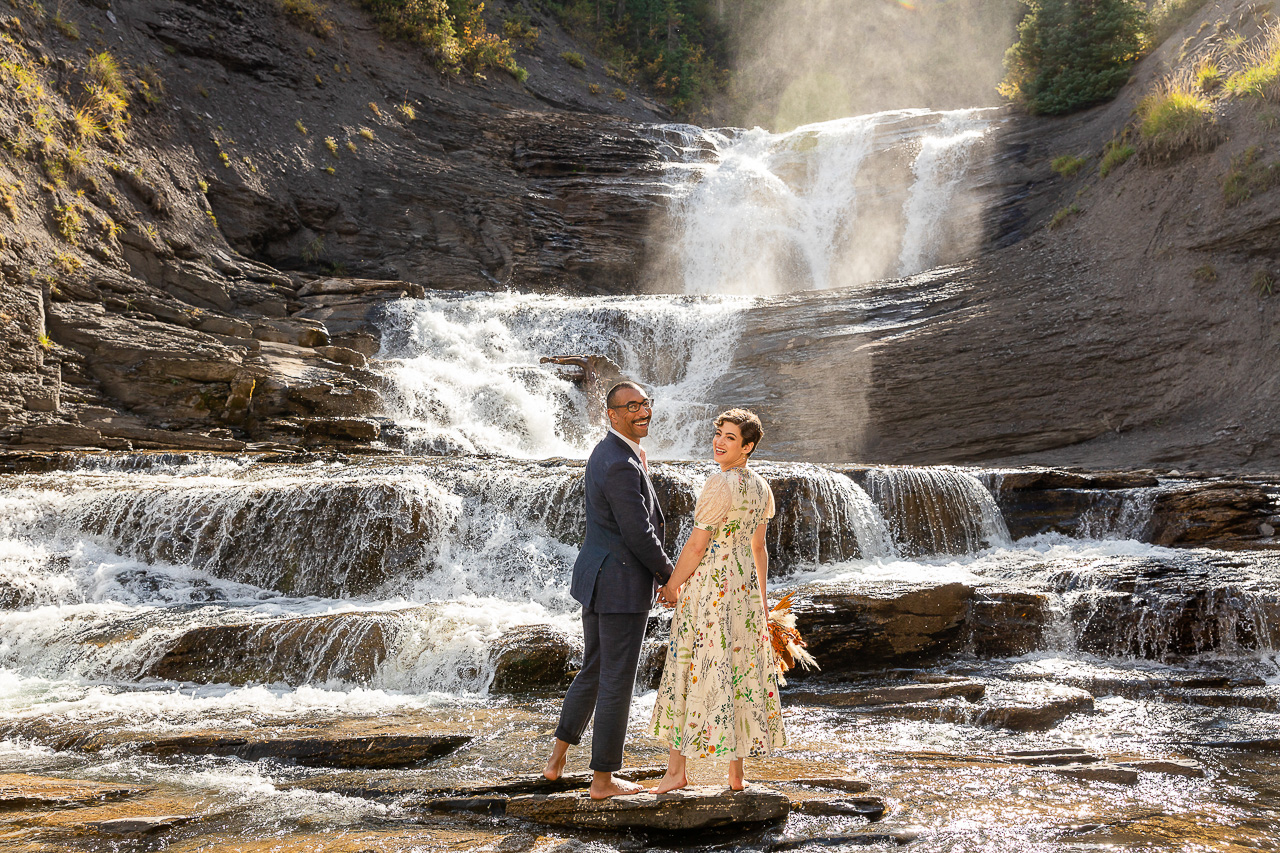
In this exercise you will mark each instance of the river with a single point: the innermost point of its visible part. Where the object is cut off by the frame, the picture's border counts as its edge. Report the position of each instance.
(153, 596)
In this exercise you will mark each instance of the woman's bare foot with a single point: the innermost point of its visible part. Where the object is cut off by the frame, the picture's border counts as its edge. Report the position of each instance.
(604, 786)
(555, 761)
(670, 782)
(736, 774)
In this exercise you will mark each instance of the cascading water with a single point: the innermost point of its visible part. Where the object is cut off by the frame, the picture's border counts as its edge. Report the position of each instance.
(466, 376)
(825, 205)
(824, 517)
(937, 510)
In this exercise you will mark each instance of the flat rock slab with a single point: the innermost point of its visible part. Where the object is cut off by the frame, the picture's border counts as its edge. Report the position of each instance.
(1050, 757)
(699, 807)
(372, 751)
(1102, 772)
(897, 694)
(24, 791)
(375, 785)
(1041, 707)
(872, 808)
(848, 784)
(1168, 766)
(139, 825)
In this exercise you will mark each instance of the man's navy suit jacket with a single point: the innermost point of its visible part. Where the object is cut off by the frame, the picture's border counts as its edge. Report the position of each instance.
(625, 527)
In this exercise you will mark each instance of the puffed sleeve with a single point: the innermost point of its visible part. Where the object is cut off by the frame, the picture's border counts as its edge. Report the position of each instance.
(713, 504)
(768, 502)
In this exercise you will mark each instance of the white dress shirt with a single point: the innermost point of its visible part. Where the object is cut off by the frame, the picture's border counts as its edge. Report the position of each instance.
(635, 446)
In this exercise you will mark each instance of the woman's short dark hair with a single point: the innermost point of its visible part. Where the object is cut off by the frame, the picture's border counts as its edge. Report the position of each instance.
(747, 422)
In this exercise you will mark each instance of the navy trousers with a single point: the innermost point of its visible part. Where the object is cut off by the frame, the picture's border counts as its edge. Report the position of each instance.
(604, 685)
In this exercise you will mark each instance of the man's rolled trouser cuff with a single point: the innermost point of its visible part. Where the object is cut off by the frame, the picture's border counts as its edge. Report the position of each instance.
(563, 735)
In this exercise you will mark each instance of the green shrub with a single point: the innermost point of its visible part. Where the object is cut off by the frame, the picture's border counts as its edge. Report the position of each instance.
(1071, 55)
(1114, 155)
(452, 33)
(1063, 215)
(1208, 76)
(1067, 165)
(1175, 121)
(1248, 175)
(574, 59)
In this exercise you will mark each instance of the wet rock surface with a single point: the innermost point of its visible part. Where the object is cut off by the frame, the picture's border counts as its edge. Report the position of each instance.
(27, 791)
(315, 746)
(851, 628)
(686, 809)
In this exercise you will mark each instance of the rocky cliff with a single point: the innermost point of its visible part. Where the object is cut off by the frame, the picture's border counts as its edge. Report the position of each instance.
(197, 263)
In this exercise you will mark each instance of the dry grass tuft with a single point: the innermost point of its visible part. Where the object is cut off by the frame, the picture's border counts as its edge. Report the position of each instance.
(1174, 121)
(1260, 75)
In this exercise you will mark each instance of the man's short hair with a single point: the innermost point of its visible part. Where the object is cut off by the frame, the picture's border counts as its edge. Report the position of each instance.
(612, 396)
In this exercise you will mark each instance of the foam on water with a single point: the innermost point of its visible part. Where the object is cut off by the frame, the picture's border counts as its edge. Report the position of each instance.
(466, 375)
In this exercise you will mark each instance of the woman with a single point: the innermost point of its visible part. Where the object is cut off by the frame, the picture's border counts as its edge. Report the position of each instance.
(719, 692)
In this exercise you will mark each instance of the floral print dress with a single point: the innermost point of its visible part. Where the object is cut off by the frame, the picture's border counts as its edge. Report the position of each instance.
(719, 692)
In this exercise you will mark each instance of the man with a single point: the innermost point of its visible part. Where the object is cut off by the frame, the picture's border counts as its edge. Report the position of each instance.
(614, 581)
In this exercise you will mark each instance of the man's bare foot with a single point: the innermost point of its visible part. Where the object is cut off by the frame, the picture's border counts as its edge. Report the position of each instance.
(555, 761)
(670, 783)
(603, 789)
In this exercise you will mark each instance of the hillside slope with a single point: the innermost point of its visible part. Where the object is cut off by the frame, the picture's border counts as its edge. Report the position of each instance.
(1127, 322)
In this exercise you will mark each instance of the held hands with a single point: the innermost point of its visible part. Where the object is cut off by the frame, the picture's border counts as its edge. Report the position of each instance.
(668, 596)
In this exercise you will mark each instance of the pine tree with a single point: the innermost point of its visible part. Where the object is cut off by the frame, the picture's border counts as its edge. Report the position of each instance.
(1072, 54)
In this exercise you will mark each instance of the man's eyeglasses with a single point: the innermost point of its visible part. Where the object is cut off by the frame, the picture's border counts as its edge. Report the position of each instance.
(636, 405)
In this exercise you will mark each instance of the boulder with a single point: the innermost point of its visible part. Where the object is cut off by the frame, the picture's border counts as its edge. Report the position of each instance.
(62, 435)
(531, 657)
(690, 808)
(853, 628)
(341, 646)
(1217, 514)
(342, 355)
(1003, 624)
(297, 331)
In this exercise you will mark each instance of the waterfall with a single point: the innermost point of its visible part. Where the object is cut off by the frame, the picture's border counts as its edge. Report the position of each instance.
(1122, 514)
(465, 376)
(1165, 608)
(937, 510)
(823, 517)
(825, 205)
